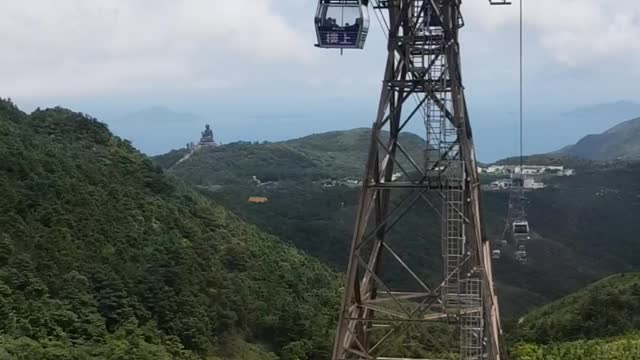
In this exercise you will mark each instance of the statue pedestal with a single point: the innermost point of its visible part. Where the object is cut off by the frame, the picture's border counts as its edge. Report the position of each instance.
(207, 141)
(207, 137)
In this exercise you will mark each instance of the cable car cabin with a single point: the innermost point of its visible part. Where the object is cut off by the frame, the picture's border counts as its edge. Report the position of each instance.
(517, 183)
(521, 254)
(521, 228)
(496, 254)
(342, 24)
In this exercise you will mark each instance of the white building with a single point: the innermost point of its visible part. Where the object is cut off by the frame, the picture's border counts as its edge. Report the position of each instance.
(501, 184)
(554, 168)
(531, 183)
(505, 184)
(531, 170)
(539, 169)
(495, 169)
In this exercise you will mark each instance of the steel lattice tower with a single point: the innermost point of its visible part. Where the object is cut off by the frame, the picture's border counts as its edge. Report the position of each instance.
(422, 83)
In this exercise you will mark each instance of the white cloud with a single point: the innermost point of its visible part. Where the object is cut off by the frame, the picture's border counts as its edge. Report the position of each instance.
(139, 48)
(575, 33)
(79, 47)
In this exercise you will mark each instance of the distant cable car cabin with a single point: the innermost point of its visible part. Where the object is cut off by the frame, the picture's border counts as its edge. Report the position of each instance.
(496, 254)
(521, 228)
(521, 254)
(258, 199)
(342, 24)
(517, 182)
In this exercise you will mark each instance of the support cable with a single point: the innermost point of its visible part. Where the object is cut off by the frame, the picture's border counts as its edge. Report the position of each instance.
(521, 98)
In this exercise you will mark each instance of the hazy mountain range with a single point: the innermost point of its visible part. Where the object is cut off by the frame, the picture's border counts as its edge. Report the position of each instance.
(157, 130)
(621, 142)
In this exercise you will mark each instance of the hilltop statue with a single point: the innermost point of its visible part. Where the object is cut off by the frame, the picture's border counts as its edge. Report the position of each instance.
(207, 136)
(207, 131)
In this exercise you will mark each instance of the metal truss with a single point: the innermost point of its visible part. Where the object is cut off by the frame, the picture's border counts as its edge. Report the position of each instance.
(422, 84)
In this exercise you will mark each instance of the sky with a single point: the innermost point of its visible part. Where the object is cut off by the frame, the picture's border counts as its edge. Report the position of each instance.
(250, 69)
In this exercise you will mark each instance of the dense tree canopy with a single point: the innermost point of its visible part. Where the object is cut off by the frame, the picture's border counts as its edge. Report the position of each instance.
(621, 348)
(608, 308)
(104, 257)
(599, 322)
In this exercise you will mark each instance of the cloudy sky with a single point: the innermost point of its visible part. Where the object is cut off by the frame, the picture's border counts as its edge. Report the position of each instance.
(249, 67)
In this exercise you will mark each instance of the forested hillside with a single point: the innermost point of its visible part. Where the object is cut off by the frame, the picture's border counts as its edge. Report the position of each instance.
(584, 227)
(600, 322)
(332, 155)
(607, 308)
(619, 348)
(102, 256)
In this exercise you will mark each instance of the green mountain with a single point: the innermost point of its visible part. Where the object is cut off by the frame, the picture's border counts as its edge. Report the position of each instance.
(618, 143)
(625, 347)
(583, 225)
(102, 256)
(600, 321)
(607, 308)
(332, 155)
